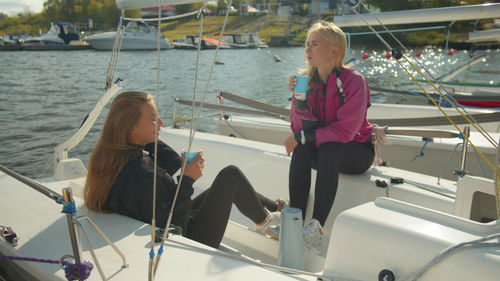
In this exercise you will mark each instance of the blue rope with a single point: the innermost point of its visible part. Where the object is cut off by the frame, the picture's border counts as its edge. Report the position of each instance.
(460, 173)
(70, 208)
(421, 153)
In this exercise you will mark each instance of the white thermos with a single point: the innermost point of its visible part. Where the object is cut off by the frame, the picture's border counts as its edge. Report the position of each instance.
(291, 252)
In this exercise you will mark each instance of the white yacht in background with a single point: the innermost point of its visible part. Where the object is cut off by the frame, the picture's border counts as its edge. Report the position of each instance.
(136, 36)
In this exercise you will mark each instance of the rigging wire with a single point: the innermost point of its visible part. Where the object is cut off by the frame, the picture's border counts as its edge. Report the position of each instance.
(449, 98)
(112, 67)
(396, 54)
(191, 135)
(151, 265)
(193, 126)
(446, 115)
(116, 51)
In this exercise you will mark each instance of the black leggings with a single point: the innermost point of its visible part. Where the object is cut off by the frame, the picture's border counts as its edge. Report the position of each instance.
(328, 160)
(211, 209)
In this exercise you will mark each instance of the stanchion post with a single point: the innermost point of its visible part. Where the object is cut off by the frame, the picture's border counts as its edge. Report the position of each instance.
(73, 235)
(497, 181)
(464, 150)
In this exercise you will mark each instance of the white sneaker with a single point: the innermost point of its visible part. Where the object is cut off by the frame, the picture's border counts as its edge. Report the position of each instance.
(274, 231)
(313, 233)
(273, 219)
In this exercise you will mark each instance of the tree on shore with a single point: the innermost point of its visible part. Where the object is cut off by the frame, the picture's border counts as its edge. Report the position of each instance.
(103, 12)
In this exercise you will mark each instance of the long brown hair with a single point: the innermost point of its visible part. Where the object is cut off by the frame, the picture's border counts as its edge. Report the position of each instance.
(113, 149)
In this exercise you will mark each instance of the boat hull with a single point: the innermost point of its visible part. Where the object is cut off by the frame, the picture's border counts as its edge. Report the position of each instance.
(105, 42)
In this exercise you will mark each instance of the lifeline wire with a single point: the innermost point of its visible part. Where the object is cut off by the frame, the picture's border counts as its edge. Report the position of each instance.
(478, 243)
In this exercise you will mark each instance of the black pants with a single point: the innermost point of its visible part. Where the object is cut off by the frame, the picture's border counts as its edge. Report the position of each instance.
(211, 209)
(329, 160)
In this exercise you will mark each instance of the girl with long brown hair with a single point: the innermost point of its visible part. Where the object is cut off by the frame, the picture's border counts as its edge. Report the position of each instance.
(121, 169)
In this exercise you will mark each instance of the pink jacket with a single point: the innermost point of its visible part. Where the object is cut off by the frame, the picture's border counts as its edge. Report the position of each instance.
(338, 123)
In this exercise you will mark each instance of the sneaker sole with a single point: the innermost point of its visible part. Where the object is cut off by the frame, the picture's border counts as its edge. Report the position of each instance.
(272, 235)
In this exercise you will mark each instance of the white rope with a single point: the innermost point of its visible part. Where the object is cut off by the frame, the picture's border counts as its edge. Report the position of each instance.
(114, 55)
(478, 243)
(153, 266)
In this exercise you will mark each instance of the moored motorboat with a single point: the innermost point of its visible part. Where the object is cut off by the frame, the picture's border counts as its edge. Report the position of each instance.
(137, 35)
(190, 42)
(60, 33)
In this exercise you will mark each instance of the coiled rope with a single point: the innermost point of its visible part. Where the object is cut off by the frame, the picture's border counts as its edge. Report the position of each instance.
(71, 271)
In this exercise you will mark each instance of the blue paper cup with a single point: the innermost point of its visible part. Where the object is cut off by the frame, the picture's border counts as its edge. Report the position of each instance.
(300, 88)
(191, 156)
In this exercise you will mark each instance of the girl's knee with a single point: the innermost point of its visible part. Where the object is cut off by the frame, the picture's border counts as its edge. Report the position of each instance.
(230, 170)
(231, 173)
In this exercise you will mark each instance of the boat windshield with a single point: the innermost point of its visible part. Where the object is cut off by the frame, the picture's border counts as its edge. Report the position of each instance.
(69, 29)
(137, 27)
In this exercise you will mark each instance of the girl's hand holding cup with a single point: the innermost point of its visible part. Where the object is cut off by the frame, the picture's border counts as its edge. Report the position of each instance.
(298, 84)
(195, 164)
(291, 83)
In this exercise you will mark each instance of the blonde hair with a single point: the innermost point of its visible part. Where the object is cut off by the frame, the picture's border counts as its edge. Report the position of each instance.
(113, 149)
(335, 36)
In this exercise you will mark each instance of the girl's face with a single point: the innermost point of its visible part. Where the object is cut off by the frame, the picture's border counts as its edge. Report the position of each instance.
(144, 131)
(319, 52)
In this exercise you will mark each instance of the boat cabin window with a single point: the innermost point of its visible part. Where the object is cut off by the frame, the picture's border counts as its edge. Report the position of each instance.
(239, 39)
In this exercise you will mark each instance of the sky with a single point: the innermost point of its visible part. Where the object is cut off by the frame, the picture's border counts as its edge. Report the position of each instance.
(13, 7)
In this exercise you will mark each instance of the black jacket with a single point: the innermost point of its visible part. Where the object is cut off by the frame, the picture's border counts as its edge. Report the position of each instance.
(132, 192)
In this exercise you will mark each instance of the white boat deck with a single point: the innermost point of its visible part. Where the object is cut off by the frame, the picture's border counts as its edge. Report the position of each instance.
(417, 215)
